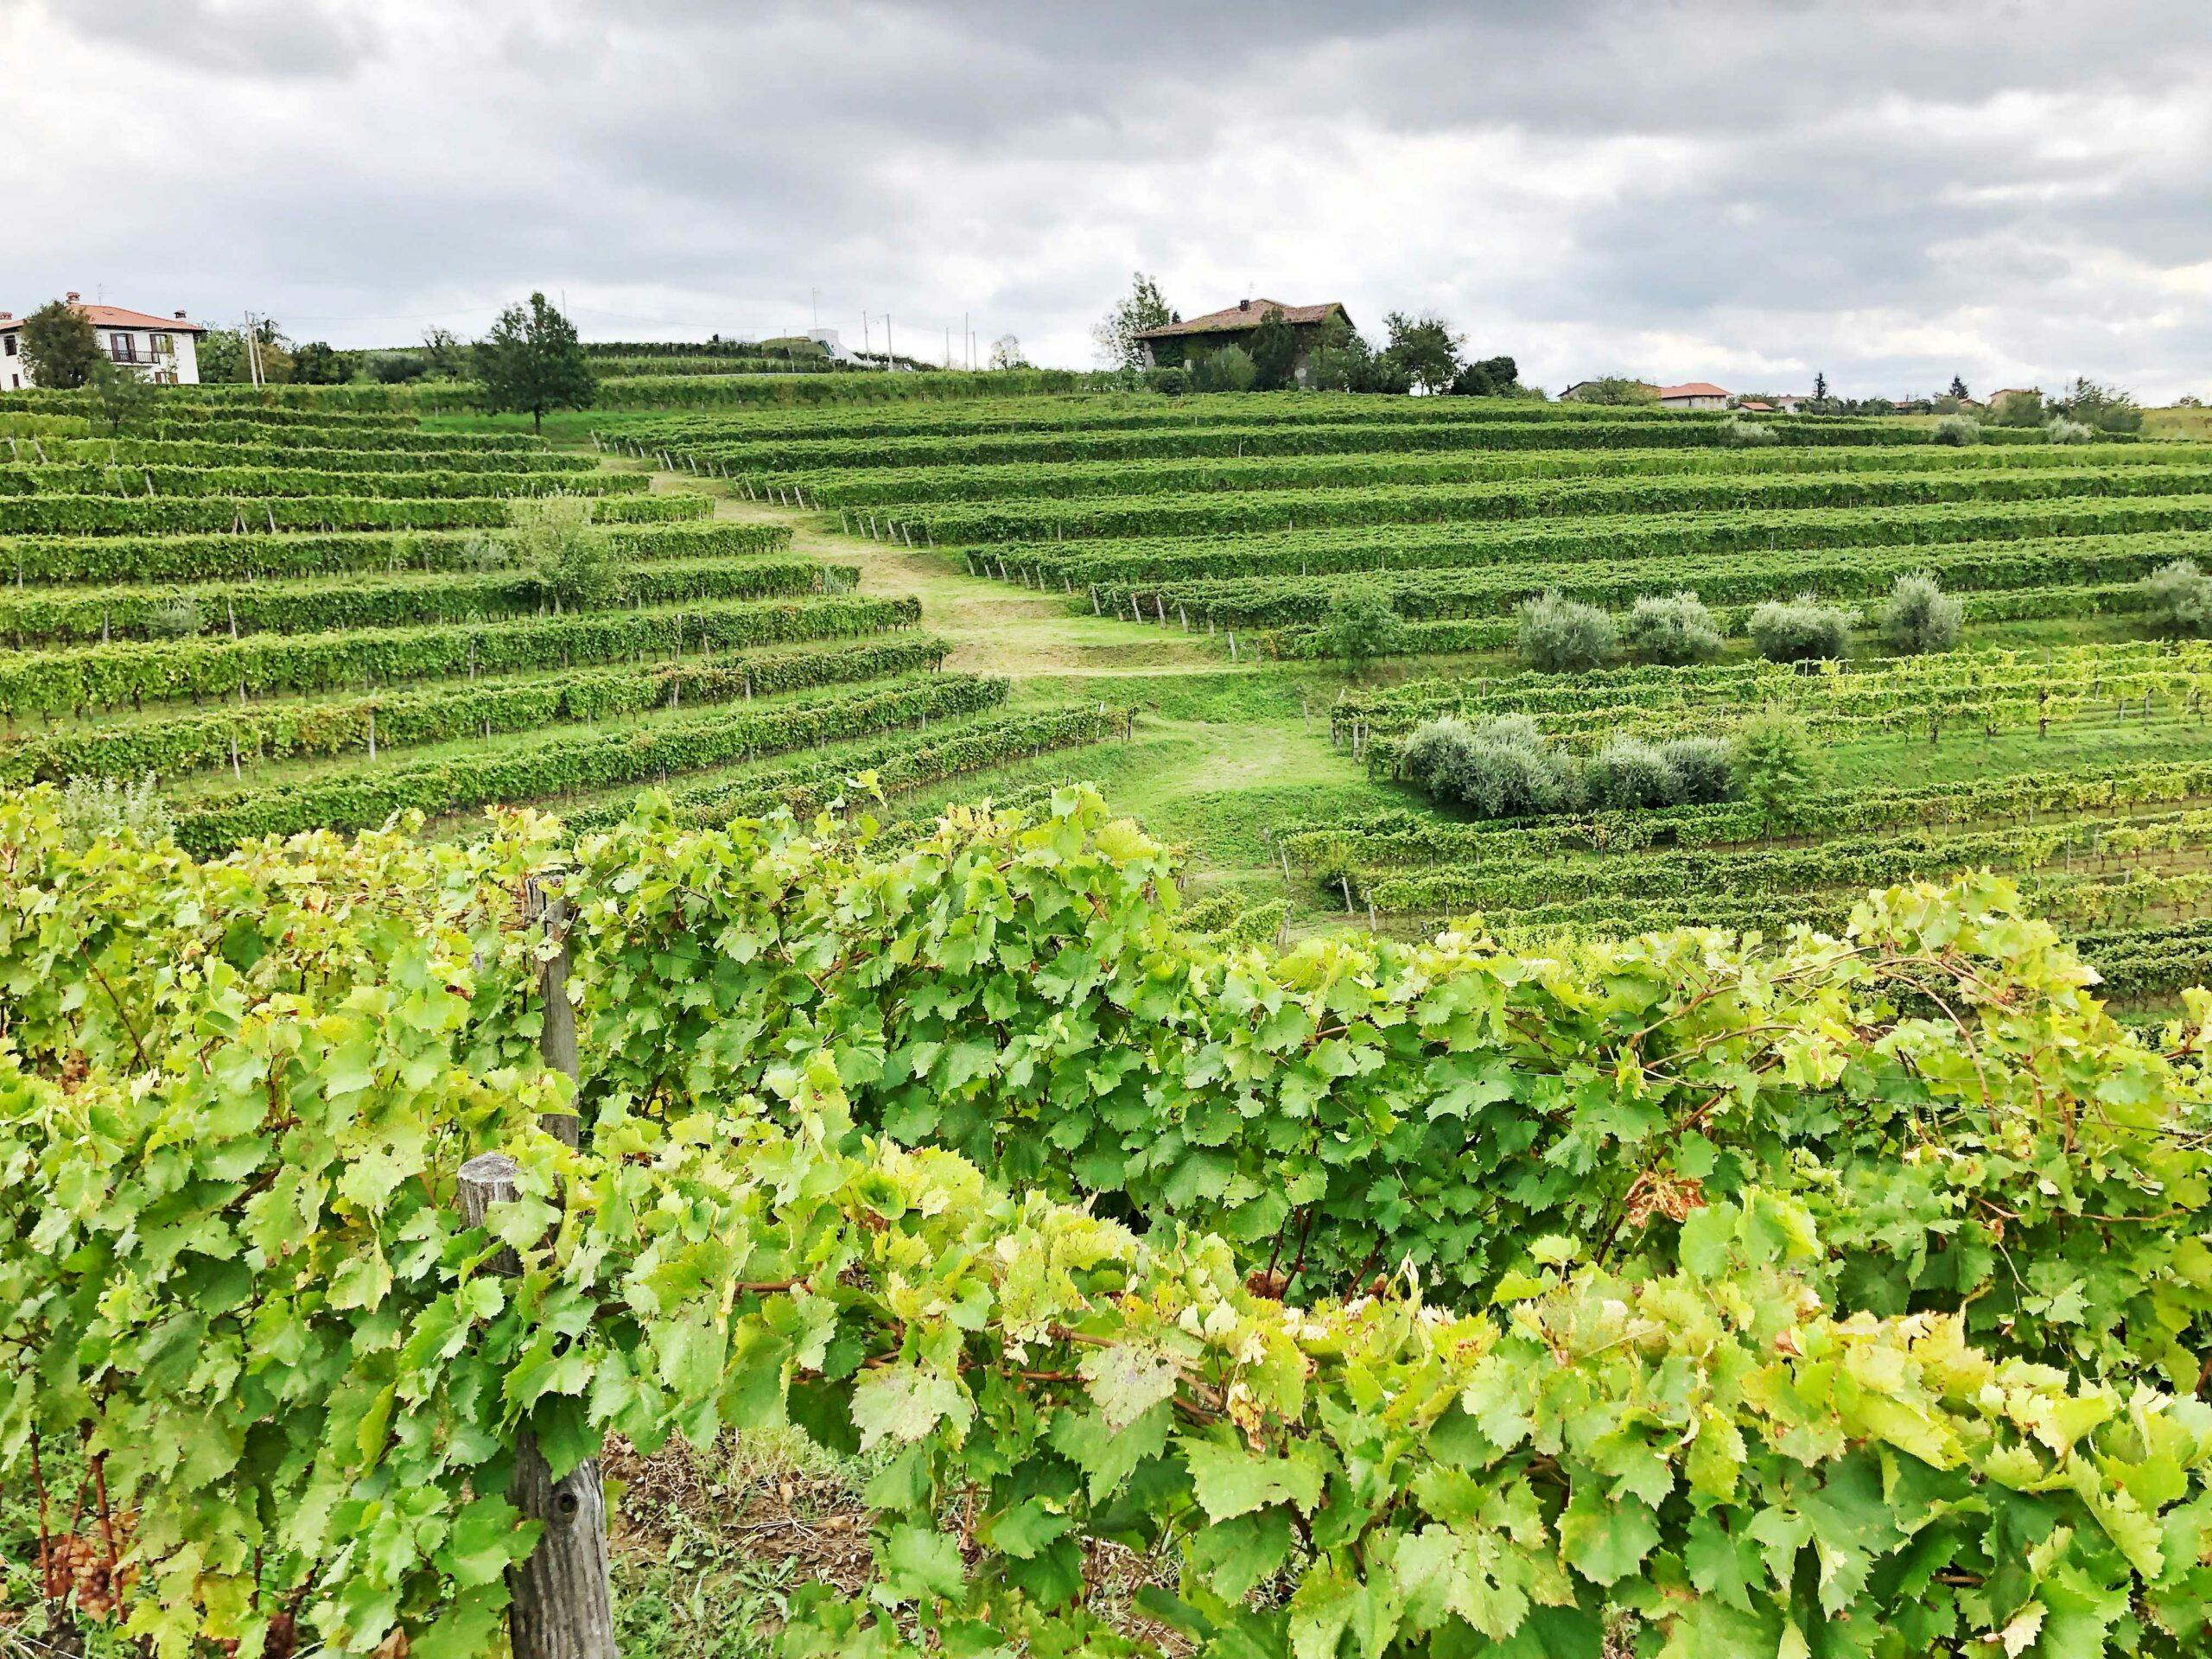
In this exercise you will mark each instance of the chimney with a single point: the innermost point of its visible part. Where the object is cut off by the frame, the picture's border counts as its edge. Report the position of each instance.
(180, 316)
(1241, 305)
(72, 296)
(6, 315)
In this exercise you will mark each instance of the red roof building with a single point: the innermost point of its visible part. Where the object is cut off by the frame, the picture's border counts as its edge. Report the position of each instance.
(164, 349)
(1172, 342)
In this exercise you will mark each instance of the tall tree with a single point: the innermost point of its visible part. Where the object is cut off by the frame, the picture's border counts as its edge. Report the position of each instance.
(1820, 388)
(531, 362)
(1424, 348)
(1958, 388)
(58, 346)
(1116, 334)
(1274, 349)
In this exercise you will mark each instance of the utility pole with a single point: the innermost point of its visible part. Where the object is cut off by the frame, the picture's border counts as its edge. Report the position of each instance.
(967, 340)
(815, 300)
(948, 346)
(889, 360)
(865, 347)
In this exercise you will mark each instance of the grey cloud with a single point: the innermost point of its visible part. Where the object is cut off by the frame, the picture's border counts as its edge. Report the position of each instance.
(1877, 183)
(232, 38)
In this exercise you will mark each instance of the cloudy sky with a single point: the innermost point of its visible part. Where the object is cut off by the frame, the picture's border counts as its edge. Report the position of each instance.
(1893, 193)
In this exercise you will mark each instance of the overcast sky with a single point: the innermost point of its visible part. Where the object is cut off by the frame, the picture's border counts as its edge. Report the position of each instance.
(1745, 193)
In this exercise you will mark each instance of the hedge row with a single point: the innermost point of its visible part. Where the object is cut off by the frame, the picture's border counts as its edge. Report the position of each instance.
(893, 767)
(107, 515)
(567, 765)
(1725, 578)
(318, 606)
(259, 554)
(86, 479)
(1379, 463)
(1434, 635)
(109, 676)
(658, 508)
(2146, 962)
(1320, 552)
(1403, 839)
(233, 428)
(317, 457)
(284, 730)
(1203, 512)
(663, 390)
(1855, 861)
(791, 447)
(1125, 411)
(199, 402)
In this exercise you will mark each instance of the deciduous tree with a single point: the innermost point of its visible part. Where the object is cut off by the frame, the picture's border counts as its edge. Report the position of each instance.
(58, 346)
(1424, 348)
(531, 362)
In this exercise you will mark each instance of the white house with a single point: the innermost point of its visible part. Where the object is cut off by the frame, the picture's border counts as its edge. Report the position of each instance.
(829, 341)
(166, 350)
(1694, 394)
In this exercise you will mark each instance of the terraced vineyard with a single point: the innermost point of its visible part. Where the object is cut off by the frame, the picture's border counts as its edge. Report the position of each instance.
(2059, 741)
(292, 619)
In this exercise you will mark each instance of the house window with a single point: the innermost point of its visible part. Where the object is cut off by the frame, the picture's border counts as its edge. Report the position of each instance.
(124, 348)
(8, 346)
(163, 347)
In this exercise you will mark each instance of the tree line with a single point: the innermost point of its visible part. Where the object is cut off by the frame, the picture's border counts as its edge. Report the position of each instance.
(529, 362)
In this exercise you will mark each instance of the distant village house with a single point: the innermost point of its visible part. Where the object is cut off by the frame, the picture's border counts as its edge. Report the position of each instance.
(1171, 341)
(165, 350)
(1693, 394)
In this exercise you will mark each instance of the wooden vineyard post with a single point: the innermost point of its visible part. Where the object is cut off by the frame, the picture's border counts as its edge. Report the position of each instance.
(562, 1607)
(556, 1037)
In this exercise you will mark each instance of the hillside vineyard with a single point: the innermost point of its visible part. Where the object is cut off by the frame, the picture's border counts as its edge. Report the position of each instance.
(293, 620)
(1257, 519)
(1614, 1119)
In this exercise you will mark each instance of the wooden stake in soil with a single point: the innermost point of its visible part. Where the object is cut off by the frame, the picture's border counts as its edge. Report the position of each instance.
(561, 1607)
(556, 1038)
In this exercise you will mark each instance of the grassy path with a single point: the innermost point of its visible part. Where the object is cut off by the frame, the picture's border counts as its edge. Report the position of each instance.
(1223, 751)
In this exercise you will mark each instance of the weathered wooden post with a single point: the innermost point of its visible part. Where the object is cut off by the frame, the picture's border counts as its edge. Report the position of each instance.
(562, 1608)
(556, 1037)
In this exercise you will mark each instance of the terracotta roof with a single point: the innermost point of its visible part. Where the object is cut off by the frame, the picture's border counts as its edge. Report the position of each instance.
(114, 316)
(1755, 407)
(2017, 391)
(1232, 318)
(1692, 389)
